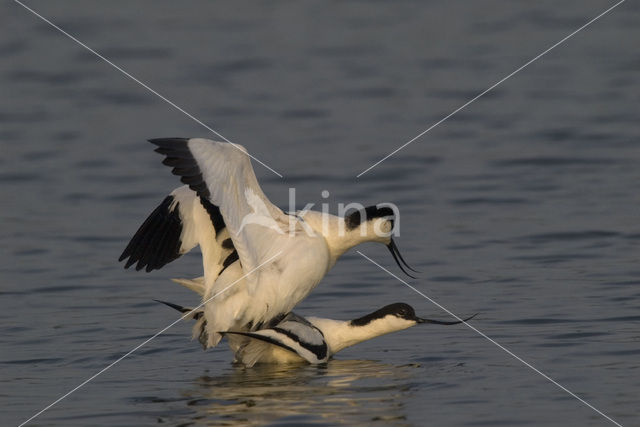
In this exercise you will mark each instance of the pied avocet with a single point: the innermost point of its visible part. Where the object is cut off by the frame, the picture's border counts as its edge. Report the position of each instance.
(292, 338)
(259, 262)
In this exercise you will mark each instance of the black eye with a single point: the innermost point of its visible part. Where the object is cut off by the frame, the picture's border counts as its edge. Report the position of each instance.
(405, 311)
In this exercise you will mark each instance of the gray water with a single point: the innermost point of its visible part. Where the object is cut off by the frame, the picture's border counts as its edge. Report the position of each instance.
(523, 207)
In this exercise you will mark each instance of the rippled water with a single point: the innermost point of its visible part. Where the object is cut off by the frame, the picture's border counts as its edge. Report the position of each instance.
(523, 207)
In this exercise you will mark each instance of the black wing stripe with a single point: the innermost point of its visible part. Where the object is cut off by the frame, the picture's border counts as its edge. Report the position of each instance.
(320, 350)
(231, 258)
(214, 214)
(177, 152)
(185, 166)
(228, 244)
(265, 339)
(157, 241)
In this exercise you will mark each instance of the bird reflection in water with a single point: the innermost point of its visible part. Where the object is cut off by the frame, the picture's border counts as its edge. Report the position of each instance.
(341, 391)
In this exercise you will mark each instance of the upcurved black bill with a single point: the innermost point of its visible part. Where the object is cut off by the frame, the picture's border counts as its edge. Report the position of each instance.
(440, 322)
(393, 248)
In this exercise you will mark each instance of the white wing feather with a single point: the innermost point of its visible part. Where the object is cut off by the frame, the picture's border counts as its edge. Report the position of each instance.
(232, 184)
(269, 254)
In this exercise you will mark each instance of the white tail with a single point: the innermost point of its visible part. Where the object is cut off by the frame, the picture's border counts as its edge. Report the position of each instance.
(196, 285)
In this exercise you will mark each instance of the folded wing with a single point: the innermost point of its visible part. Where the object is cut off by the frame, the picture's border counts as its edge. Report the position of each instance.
(294, 334)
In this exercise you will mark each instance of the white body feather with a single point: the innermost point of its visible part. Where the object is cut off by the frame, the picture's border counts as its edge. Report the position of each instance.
(281, 257)
(297, 340)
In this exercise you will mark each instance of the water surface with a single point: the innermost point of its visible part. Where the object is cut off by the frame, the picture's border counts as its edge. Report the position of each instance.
(523, 207)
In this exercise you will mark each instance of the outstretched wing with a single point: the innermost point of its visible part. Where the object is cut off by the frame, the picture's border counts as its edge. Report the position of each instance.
(221, 173)
(294, 334)
(182, 221)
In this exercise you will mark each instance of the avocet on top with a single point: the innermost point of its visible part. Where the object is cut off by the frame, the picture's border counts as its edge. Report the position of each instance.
(259, 262)
(292, 338)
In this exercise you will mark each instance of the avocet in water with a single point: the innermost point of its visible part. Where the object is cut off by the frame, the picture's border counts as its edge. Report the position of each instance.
(292, 338)
(259, 261)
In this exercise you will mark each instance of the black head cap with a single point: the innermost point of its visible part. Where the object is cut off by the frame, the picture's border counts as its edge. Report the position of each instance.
(398, 309)
(354, 219)
(402, 311)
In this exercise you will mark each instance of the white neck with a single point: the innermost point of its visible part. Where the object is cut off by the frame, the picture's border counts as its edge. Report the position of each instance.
(335, 232)
(340, 334)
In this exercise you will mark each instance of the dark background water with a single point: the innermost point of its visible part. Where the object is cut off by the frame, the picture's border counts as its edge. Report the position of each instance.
(523, 207)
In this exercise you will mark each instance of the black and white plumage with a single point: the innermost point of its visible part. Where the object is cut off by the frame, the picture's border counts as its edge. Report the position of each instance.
(258, 261)
(172, 229)
(314, 340)
(292, 339)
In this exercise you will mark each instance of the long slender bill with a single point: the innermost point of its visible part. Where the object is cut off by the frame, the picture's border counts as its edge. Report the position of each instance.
(440, 322)
(395, 252)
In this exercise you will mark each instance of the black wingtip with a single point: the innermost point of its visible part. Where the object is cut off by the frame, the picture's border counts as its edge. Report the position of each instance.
(129, 262)
(177, 152)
